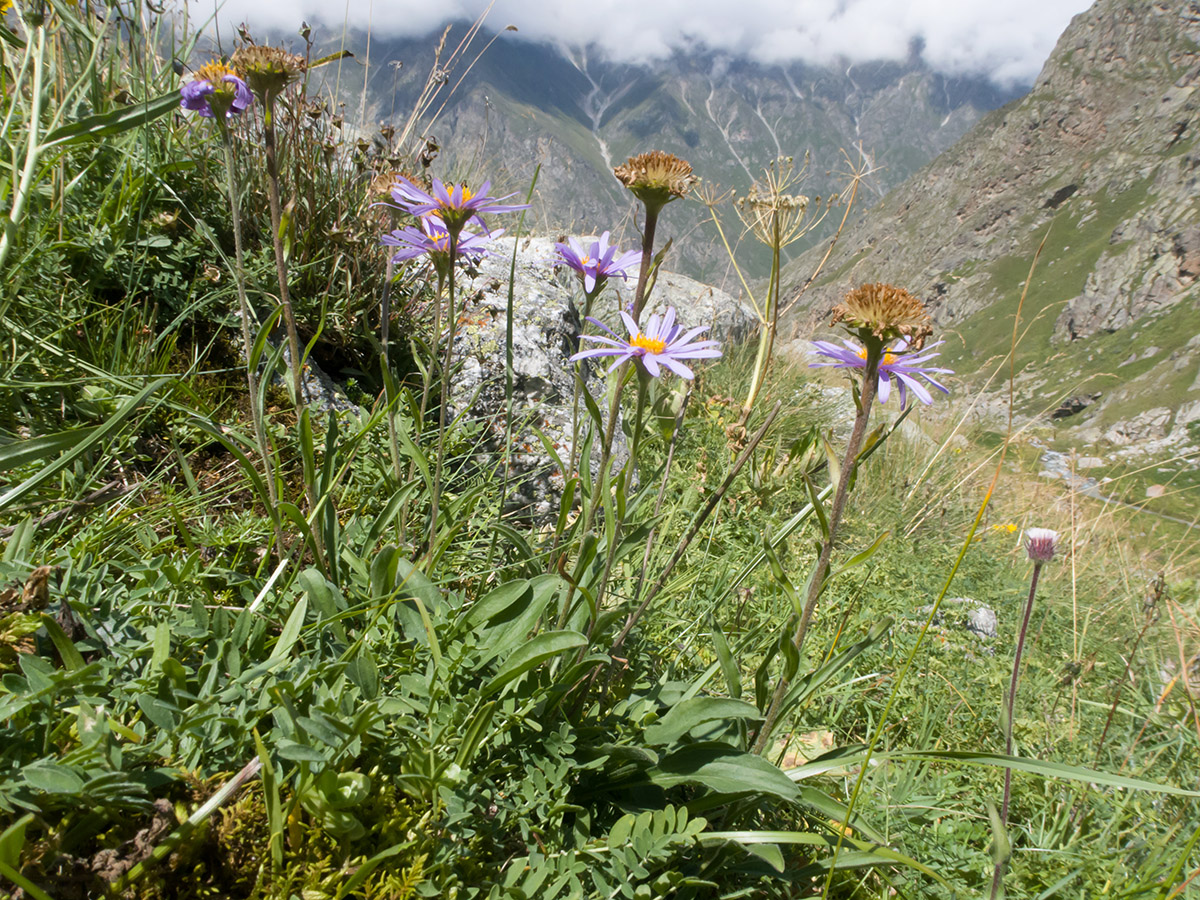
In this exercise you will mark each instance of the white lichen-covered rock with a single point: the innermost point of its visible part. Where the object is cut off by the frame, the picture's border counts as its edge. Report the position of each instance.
(546, 327)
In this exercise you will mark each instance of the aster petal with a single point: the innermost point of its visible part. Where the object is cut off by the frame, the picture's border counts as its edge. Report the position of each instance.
(630, 323)
(917, 388)
(595, 353)
(885, 387)
(678, 368)
(600, 324)
(650, 361)
(600, 339)
(668, 323)
(695, 352)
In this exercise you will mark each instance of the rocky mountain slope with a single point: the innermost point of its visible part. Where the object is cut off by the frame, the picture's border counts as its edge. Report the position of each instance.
(525, 104)
(1101, 161)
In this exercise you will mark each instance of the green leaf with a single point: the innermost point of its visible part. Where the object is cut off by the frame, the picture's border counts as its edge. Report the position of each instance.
(685, 716)
(14, 454)
(723, 769)
(86, 440)
(769, 853)
(729, 666)
(497, 601)
(71, 657)
(52, 779)
(852, 756)
(291, 631)
(817, 505)
(534, 653)
(104, 125)
(13, 840)
(475, 733)
(511, 627)
(859, 558)
(811, 683)
(323, 61)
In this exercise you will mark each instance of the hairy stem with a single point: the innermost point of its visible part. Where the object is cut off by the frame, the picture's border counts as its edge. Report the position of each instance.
(285, 300)
(639, 294)
(816, 582)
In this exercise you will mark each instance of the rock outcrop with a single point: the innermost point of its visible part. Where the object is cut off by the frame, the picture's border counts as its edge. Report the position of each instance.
(546, 329)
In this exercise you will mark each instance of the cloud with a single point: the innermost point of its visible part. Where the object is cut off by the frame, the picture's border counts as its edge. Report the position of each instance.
(1007, 42)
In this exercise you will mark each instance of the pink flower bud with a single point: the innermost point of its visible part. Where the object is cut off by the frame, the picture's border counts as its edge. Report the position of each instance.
(1039, 544)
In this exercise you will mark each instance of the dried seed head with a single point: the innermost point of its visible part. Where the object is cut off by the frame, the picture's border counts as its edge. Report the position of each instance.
(656, 178)
(884, 312)
(268, 70)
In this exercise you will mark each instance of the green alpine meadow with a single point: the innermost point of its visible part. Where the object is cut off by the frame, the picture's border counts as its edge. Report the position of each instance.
(504, 473)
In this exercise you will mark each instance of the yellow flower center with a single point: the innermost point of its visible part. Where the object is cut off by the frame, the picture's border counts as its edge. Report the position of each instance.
(214, 73)
(650, 345)
(888, 356)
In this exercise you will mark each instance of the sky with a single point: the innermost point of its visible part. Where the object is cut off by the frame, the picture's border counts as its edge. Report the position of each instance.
(1005, 40)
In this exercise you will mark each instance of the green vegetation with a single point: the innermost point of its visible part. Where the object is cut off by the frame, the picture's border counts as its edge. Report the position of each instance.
(330, 674)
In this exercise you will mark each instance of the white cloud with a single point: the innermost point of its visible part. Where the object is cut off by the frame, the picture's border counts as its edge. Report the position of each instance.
(1007, 41)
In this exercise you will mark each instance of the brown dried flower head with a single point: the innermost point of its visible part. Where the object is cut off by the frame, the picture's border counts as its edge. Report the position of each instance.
(267, 70)
(884, 312)
(656, 178)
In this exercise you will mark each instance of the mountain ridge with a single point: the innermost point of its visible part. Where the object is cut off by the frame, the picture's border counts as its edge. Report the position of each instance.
(525, 104)
(1101, 162)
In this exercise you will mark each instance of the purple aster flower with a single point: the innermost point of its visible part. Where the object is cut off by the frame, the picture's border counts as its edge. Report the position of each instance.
(455, 204)
(663, 342)
(433, 239)
(898, 363)
(596, 265)
(216, 88)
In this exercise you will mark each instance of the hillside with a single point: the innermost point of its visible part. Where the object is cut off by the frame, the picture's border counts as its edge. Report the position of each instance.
(1100, 160)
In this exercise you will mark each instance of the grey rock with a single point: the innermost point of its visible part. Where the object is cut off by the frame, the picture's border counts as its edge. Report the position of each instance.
(546, 329)
(967, 615)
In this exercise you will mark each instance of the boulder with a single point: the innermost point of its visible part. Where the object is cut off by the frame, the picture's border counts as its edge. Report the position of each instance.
(546, 329)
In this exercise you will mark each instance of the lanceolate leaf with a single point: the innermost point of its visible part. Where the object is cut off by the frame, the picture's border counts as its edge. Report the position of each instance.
(534, 653)
(723, 769)
(111, 123)
(853, 756)
(685, 716)
(88, 438)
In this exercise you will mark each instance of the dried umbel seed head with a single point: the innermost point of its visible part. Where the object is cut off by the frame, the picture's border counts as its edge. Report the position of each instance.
(884, 312)
(656, 178)
(1040, 544)
(268, 70)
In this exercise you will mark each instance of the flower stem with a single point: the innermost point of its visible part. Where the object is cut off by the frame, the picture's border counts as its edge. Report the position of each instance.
(639, 294)
(285, 300)
(385, 315)
(816, 582)
(451, 322)
(766, 340)
(1010, 704)
(256, 413)
(281, 272)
